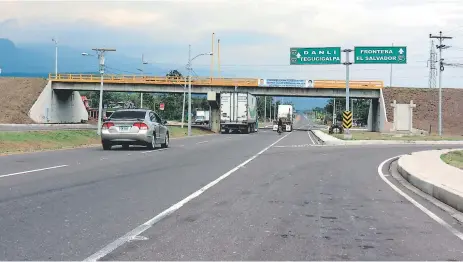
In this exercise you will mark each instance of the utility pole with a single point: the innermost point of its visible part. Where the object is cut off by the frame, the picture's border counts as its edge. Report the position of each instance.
(212, 57)
(432, 65)
(441, 69)
(100, 52)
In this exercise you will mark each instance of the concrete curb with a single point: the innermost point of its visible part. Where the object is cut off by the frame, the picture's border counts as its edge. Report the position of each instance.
(331, 140)
(438, 191)
(327, 139)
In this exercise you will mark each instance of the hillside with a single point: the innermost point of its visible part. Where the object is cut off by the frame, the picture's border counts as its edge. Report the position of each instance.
(17, 97)
(425, 115)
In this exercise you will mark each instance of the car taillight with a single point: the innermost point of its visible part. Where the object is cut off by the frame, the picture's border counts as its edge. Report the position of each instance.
(107, 125)
(141, 126)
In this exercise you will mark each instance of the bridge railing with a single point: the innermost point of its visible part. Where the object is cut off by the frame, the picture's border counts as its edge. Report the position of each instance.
(203, 81)
(352, 84)
(137, 79)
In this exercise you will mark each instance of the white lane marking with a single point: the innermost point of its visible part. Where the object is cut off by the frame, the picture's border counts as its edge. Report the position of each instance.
(304, 145)
(148, 224)
(32, 171)
(311, 139)
(156, 150)
(415, 203)
(202, 142)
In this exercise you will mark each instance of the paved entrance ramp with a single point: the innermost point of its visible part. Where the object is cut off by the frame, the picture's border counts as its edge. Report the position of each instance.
(18, 94)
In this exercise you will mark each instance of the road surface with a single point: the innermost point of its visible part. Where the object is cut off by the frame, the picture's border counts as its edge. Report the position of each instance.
(276, 197)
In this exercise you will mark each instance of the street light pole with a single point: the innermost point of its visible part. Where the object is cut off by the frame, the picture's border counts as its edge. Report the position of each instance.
(189, 84)
(143, 63)
(56, 55)
(189, 90)
(100, 52)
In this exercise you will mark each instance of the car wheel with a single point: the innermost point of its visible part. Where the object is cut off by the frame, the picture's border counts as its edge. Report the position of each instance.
(152, 145)
(106, 146)
(166, 141)
(125, 146)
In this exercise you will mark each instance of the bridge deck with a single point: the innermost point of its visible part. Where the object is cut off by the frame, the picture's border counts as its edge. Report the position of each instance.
(201, 81)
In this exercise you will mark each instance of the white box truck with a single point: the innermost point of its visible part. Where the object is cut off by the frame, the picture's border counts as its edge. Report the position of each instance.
(285, 113)
(202, 117)
(238, 112)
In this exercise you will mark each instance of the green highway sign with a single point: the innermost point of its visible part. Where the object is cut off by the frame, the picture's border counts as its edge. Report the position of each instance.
(315, 56)
(380, 55)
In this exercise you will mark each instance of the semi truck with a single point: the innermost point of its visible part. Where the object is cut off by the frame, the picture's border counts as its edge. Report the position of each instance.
(202, 117)
(286, 114)
(238, 112)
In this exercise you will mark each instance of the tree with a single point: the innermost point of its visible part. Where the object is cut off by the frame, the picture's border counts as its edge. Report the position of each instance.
(174, 74)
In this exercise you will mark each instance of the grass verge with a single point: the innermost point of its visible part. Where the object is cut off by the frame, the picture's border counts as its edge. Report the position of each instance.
(31, 141)
(361, 135)
(453, 158)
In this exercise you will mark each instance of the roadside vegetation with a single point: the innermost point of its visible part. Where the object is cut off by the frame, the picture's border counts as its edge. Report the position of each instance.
(453, 158)
(31, 141)
(361, 135)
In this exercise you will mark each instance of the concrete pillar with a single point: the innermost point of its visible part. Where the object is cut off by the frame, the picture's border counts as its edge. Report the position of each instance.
(213, 98)
(215, 120)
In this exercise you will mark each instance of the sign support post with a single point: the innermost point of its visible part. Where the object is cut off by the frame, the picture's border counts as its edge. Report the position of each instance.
(347, 64)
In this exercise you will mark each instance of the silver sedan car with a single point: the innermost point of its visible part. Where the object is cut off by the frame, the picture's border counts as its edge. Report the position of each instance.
(134, 127)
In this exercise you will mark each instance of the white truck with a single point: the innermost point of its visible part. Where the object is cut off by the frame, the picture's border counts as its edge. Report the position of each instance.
(285, 113)
(202, 117)
(238, 112)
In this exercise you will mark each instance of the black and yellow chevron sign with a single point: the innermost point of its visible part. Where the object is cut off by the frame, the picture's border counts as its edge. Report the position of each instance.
(347, 119)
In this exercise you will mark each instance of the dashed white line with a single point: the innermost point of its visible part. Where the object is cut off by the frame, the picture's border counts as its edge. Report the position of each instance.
(152, 151)
(202, 142)
(415, 203)
(32, 171)
(148, 224)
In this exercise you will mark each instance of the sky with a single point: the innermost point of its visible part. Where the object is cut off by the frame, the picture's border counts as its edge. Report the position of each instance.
(255, 36)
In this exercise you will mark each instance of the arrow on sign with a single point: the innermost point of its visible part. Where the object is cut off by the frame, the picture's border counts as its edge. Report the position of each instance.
(401, 51)
(298, 55)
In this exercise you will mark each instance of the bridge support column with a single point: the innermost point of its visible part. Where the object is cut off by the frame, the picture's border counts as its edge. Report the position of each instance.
(377, 118)
(58, 107)
(213, 98)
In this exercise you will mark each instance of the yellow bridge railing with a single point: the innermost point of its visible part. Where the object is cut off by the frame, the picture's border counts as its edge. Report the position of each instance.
(202, 81)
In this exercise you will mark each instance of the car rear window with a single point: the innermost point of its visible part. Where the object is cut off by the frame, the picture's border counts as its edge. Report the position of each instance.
(128, 115)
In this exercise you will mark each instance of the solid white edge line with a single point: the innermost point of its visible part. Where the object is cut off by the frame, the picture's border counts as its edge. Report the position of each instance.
(311, 139)
(148, 224)
(415, 203)
(32, 171)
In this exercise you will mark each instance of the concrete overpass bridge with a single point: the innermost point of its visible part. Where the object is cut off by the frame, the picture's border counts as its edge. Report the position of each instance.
(58, 102)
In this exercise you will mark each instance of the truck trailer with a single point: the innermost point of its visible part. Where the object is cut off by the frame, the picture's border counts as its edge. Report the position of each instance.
(202, 117)
(238, 112)
(285, 113)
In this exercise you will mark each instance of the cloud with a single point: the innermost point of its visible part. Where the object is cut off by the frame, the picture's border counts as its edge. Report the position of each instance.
(256, 32)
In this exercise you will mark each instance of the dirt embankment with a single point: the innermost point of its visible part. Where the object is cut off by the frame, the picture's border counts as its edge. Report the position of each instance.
(425, 115)
(17, 95)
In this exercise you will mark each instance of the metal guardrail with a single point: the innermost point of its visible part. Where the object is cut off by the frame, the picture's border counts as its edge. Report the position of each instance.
(202, 81)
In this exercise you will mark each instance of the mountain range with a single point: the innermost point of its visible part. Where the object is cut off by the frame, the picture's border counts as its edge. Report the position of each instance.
(38, 60)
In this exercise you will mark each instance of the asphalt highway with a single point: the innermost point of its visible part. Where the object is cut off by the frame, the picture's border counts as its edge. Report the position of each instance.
(276, 197)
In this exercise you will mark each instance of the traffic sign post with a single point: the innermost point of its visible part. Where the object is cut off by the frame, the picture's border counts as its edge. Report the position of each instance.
(161, 106)
(347, 134)
(315, 55)
(380, 55)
